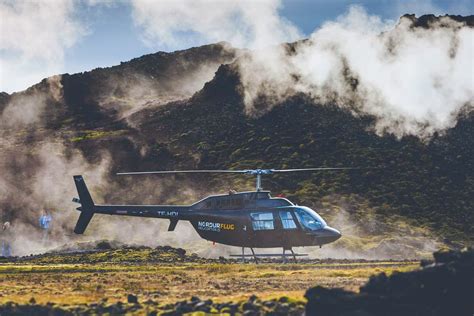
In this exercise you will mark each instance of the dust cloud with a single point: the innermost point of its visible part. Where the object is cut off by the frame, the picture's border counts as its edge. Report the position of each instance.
(369, 237)
(36, 169)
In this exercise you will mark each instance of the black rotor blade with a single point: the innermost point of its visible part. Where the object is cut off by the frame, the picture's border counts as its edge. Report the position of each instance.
(247, 171)
(311, 169)
(180, 171)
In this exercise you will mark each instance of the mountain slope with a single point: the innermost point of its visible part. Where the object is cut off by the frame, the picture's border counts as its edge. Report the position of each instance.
(151, 113)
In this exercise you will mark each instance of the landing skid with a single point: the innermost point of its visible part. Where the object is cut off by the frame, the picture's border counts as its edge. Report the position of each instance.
(283, 255)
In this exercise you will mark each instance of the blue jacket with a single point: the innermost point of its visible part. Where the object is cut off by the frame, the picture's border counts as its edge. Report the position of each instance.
(45, 221)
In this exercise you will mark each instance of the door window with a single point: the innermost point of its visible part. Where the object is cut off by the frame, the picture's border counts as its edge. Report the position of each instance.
(262, 221)
(287, 220)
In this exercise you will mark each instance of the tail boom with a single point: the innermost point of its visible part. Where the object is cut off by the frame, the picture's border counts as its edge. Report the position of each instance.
(172, 212)
(180, 212)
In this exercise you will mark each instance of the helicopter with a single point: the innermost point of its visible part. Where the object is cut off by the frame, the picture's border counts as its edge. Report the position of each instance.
(251, 219)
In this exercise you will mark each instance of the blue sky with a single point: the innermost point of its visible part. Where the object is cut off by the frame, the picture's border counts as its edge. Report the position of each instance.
(108, 32)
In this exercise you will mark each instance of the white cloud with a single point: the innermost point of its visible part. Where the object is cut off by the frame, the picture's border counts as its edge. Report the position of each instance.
(181, 24)
(33, 38)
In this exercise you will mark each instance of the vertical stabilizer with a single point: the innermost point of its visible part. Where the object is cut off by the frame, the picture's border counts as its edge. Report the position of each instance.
(87, 205)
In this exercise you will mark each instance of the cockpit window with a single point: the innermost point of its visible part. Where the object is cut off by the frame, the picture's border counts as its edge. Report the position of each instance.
(309, 219)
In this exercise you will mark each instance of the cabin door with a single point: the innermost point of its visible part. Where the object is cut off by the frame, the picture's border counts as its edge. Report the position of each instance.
(264, 230)
(287, 227)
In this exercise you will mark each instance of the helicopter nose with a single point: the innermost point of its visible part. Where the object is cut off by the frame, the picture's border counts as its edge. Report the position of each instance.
(332, 233)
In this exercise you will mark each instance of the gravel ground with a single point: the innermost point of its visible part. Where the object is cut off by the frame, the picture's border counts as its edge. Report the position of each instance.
(104, 278)
(252, 306)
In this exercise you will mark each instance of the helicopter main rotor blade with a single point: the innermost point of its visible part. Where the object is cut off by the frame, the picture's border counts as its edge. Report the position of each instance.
(181, 171)
(247, 171)
(311, 169)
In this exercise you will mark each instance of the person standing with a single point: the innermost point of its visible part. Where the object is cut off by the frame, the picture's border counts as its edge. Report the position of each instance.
(6, 239)
(45, 224)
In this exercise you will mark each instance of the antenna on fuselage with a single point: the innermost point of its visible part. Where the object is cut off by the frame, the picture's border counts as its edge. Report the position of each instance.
(257, 172)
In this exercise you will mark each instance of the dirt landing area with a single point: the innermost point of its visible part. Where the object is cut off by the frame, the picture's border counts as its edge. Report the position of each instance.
(166, 275)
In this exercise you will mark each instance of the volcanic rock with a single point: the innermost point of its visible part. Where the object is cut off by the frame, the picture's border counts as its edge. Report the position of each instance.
(445, 287)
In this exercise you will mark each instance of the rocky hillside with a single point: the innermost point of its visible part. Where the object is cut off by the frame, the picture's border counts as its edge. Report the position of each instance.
(185, 110)
(441, 287)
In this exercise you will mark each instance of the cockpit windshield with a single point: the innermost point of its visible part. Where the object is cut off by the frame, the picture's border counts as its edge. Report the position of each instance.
(309, 219)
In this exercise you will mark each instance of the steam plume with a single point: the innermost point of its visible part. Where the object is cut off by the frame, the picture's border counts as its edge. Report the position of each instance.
(414, 81)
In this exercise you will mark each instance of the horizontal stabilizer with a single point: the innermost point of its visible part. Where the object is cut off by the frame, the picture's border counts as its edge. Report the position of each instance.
(83, 221)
